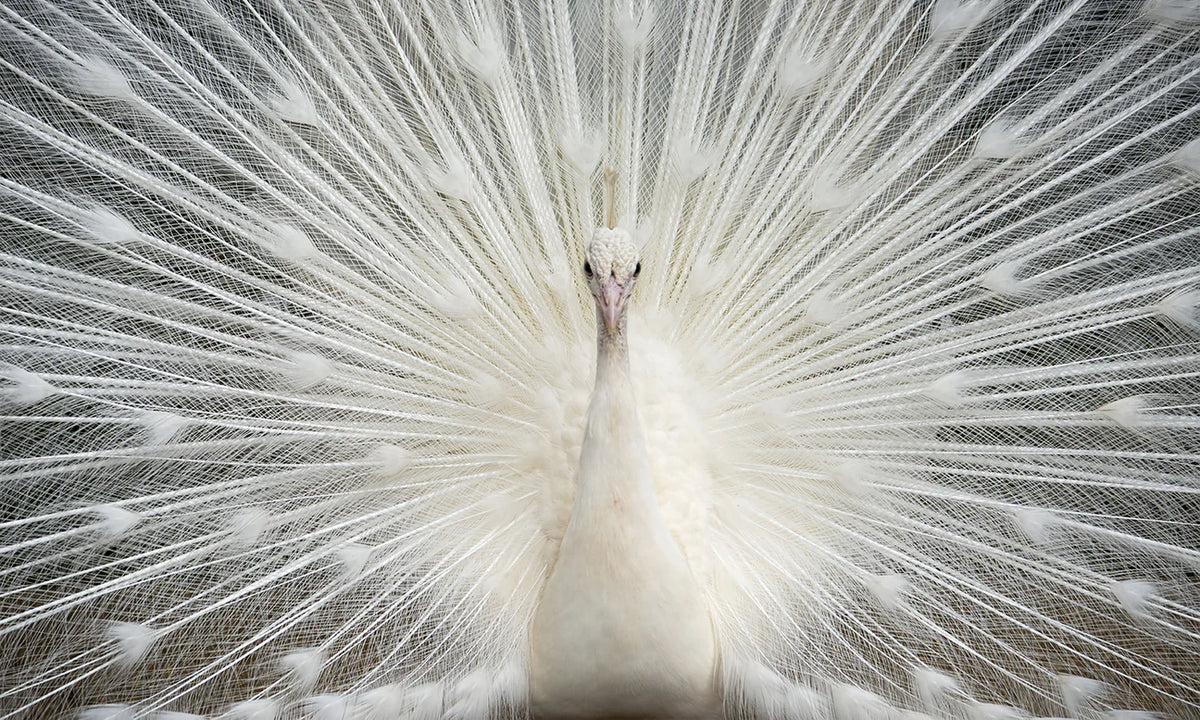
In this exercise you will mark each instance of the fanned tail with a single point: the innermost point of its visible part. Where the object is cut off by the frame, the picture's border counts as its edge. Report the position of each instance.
(295, 354)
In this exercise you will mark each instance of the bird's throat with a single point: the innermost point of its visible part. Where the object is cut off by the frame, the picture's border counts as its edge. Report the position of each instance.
(613, 465)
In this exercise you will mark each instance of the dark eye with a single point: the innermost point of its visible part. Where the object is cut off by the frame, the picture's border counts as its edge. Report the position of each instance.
(587, 268)
(637, 270)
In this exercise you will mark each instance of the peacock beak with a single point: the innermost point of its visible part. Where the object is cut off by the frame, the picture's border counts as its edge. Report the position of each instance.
(612, 302)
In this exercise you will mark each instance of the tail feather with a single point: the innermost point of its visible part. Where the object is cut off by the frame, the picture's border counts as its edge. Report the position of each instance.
(295, 360)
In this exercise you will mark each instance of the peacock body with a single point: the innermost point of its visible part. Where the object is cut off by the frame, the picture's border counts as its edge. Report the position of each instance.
(307, 412)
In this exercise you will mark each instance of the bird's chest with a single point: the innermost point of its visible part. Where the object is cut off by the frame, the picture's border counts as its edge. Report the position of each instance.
(622, 629)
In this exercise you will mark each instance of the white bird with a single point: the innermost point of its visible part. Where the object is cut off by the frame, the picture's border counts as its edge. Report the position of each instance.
(296, 344)
(622, 627)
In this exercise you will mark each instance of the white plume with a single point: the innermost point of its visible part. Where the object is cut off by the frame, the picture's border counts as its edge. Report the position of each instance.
(296, 350)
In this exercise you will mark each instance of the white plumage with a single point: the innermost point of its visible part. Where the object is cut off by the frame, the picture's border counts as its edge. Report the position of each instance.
(622, 626)
(304, 417)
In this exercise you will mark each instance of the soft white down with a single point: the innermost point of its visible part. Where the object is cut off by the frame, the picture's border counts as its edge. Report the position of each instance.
(874, 397)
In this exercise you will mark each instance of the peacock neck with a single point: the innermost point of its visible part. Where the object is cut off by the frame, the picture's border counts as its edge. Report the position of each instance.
(614, 466)
(612, 366)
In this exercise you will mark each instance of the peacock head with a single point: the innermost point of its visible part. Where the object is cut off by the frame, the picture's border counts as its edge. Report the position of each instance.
(612, 265)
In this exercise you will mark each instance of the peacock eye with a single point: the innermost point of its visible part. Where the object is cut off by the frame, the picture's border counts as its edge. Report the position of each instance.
(637, 270)
(587, 268)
